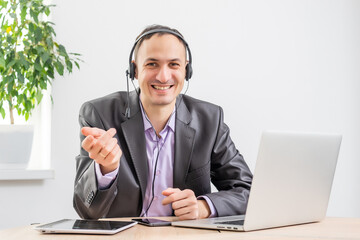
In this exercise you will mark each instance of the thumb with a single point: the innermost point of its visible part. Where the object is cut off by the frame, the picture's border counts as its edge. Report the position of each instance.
(93, 131)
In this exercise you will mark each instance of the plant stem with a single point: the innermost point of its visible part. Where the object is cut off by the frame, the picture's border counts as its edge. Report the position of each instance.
(11, 113)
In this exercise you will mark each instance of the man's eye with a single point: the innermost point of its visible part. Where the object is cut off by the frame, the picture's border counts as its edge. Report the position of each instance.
(151, 64)
(175, 64)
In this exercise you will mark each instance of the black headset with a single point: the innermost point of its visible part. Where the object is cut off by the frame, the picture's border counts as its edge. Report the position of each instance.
(131, 70)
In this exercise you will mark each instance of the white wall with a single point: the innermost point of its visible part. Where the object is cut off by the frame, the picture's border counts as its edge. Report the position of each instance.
(283, 65)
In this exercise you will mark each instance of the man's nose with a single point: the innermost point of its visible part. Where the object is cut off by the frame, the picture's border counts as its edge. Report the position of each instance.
(164, 74)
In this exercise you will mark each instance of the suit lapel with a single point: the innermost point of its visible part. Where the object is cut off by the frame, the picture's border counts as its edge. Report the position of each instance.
(184, 142)
(135, 137)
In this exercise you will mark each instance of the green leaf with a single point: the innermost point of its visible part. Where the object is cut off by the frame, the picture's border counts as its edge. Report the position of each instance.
(62, 51)
(34, 15)
(39, 96)
(28, 105)
(38, 67)
(23, 61)
(14, 92)
(26, 43)
(47, 11)
(11, 63)
(9, 39)
(20, 98)
(13, 15)
(23, 13)
(10, 104)
(44, 56)
(38, 34)
(50, 73)
(27, 116)
(20, 77)
(10, 85)
(59, 67)
(43, 84)
(68, 65)
(77, 64)
(14, 6)
(49, 42)
(3, 4)
(40, 49)
(31, 27)
(2, 111)
(2, 61)
(76, 54)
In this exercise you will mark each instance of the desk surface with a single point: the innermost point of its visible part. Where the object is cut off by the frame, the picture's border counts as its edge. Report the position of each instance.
(330, 228)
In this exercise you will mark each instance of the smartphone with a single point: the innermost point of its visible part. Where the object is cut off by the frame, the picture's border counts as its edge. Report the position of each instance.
(152, 222)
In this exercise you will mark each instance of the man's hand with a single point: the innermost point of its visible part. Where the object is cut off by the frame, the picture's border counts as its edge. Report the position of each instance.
(185, 204)
(102, 147)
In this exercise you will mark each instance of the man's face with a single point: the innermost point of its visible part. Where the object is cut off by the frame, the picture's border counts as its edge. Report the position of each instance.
(160, 70)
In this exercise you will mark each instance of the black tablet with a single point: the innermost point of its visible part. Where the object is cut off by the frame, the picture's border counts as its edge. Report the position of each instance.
(84, 226)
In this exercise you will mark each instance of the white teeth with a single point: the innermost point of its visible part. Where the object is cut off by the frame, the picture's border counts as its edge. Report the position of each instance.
(161, 88)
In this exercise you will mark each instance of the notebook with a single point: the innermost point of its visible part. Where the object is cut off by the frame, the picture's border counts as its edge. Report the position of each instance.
(291, 184)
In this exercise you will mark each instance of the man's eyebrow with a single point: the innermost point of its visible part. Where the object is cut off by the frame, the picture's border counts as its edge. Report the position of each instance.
(175, 60)
(151, 59)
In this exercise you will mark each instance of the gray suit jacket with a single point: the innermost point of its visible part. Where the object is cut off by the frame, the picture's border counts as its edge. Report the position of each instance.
(204, 152)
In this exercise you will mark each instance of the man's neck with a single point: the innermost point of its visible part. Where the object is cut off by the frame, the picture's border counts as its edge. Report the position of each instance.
(158, 115)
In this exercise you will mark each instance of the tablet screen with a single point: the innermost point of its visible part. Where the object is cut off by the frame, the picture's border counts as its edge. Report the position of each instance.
(85, 226)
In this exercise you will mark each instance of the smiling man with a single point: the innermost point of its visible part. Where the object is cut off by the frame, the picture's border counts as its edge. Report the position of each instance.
(154, 151)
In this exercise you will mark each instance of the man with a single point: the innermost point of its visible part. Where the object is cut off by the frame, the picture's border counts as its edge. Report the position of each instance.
(154, 152)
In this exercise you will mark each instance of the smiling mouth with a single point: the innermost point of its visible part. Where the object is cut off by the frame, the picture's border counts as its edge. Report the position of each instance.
(161, 87)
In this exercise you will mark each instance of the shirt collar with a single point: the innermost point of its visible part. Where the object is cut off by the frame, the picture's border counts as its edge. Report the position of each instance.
(147, 125)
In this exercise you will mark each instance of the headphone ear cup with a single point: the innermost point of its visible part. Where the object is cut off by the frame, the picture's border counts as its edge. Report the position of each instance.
(132, 70)
(188, 69)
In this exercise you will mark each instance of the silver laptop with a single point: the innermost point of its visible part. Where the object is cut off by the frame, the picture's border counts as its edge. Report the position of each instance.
(291, 185)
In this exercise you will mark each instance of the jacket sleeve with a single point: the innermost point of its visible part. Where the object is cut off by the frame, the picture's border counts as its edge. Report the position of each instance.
(90, 202)
(229, 173)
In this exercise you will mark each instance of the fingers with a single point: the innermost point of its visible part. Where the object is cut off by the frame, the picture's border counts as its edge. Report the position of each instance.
(95, 132)
(112, 160)
(103, 143)
(93, 144)
(88, 142)
(108, 148)
(112, 153)
(91, 134)
(184, 203)
(177, 195)
(187, 213)
(102, 147)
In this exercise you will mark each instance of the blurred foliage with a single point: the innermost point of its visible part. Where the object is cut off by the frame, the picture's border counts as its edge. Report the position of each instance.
(29, 55)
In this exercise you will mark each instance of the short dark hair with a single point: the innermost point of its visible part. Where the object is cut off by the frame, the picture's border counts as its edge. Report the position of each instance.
(152, 27)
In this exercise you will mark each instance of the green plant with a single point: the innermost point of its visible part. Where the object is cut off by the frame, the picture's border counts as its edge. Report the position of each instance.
(29, 55)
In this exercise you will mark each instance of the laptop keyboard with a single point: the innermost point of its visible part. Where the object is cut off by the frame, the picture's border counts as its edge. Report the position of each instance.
(235, 222)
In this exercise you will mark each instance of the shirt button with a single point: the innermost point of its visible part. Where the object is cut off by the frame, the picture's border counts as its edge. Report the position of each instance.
(158, 172)
(155, 198)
